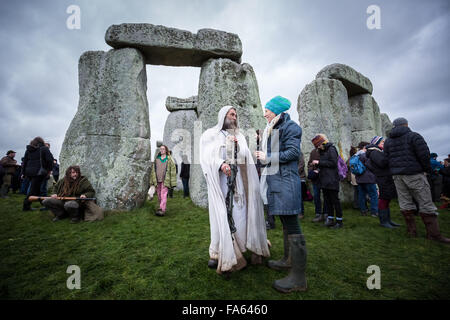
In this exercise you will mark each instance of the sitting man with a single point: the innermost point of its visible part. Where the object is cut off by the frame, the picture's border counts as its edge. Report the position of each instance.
(73, 185)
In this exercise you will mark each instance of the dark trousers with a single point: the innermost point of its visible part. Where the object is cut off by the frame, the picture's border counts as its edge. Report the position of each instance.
(333, 203)
(291, 224)
(185, 187)
(35, 190)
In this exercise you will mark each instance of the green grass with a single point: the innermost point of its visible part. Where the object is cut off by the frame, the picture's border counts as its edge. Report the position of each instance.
(137, 255)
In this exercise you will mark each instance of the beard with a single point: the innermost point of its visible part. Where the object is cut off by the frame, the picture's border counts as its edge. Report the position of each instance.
(229, 124)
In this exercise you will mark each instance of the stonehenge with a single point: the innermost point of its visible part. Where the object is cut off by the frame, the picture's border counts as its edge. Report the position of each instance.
(109, 137)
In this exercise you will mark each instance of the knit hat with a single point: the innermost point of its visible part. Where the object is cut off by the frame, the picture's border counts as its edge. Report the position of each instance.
(10, 151)
(376, 140)
(278, 105)
(318, 140)
(399, 121)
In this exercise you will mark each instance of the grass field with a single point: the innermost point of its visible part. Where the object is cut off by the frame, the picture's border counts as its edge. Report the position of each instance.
(137, 255)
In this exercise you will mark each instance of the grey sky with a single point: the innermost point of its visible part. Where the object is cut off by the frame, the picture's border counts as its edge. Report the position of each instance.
(286, 42)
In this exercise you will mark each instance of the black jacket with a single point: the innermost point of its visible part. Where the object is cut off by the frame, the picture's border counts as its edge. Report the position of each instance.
(185, 169)
(378, 164)
(328, 170)
(31, 162)
(407, 152)
(445, 172)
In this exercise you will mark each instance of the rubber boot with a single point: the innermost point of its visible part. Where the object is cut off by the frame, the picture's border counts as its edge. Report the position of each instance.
(383, 215)
(285, 262)
(26, 205)
(392, 223)
(410, 222)
(296, 279)
(432, 226)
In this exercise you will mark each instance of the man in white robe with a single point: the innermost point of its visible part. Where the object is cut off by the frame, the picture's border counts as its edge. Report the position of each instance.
(216, 155)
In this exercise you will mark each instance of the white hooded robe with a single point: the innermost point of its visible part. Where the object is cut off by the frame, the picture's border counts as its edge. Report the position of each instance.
(248, 212)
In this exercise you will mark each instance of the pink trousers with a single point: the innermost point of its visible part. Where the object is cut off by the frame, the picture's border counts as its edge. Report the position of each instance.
(162, 192)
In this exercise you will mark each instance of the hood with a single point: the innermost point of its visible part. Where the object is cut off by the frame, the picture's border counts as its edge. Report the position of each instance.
(399, 131)
(221, 117)
(31, 148)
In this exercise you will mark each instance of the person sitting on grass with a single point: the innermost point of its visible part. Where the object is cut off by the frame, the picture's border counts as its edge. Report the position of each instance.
(74, 185)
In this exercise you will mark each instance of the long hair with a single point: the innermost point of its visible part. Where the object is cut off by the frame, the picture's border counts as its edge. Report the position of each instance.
(70, 185)
(37, 142)
(167, 150)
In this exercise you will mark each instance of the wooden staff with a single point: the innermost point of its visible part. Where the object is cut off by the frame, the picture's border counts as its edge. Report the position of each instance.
(35, 198)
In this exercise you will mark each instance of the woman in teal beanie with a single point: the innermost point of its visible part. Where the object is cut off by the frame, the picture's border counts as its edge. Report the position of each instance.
(281, 189)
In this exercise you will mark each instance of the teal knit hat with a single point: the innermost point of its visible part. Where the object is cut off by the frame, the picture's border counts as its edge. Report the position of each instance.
(278, 105)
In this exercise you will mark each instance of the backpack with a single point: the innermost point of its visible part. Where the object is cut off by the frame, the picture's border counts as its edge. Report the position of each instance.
(356, 166)
(342, 168)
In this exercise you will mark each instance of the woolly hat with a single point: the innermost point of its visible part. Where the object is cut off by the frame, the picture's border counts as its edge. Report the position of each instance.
(318, 140)
(376, 140)
(399, 121)
(278, 105)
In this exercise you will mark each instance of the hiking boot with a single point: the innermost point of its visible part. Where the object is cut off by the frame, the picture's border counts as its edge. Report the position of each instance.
(317, 218)
(330, 222)
(410, 222)
(364, 213)
(285, 262)
(374, 214)
(383, 215)
(296, 279)
(159, 213)
(338, 225)
(432, 226)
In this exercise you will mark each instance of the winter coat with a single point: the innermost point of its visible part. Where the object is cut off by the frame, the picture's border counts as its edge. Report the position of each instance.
(185, 170)
(284, 187)
(301, 167)
(170, 176)
(378, 164)
(8, 164)
(445, 172)
(407, 152)
(84, 187)
(328, 170)
(367, 176)
(32, 163)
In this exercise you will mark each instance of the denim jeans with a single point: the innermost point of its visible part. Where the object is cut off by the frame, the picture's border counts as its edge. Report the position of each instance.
(371, 190)
(318, 201)
(185, 187)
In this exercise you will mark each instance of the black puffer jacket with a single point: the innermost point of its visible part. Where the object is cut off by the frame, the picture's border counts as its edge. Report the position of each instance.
(378, 164)
(407, 152)
(328, 170)
(32, 163)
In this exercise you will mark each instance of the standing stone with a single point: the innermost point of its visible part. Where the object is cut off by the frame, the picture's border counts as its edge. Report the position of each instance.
(323, 107)
(109, 137)
(224, 82)
(175, 104)
(366, 120)
(179, 136)
(174, 47)
(386, 125)
(353, 81)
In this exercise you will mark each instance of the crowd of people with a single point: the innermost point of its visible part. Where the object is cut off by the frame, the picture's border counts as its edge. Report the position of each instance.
(72, 197)
(242, 185)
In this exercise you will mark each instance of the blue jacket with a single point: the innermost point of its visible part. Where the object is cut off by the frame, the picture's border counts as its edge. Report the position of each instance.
(284, 194)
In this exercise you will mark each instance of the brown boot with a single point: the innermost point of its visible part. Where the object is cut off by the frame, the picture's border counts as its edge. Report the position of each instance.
(432, 226)
(410, 222)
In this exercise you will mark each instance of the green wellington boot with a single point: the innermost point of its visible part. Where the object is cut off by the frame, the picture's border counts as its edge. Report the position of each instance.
(285, 262)
(296, 279)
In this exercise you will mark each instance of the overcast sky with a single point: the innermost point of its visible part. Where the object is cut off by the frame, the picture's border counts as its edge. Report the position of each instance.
(286, 42)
